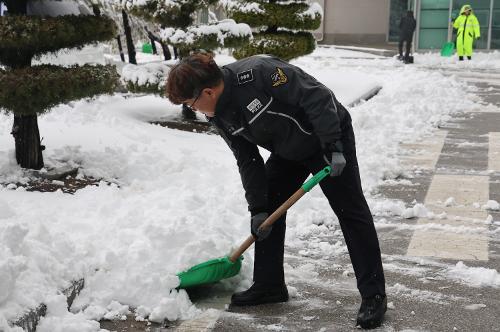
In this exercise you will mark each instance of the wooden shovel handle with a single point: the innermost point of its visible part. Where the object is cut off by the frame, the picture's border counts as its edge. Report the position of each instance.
(268, 222)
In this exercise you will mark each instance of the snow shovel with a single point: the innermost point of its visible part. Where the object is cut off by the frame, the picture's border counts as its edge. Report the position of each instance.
(226, 267)
(448, 49)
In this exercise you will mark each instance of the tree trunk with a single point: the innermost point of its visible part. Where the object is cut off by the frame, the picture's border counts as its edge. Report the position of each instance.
(153, 45)
(27, 138)
(120, 48)
(128, 37)
(166, 52)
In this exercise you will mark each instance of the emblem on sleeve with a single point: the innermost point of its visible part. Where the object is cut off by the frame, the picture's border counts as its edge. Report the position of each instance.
(245, 76)
(279, 77)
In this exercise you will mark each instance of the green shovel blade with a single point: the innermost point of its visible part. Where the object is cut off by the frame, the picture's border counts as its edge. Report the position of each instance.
(448, 49)
(209, 272)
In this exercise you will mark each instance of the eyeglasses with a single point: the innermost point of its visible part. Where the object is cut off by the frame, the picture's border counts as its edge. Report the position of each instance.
(191, 107)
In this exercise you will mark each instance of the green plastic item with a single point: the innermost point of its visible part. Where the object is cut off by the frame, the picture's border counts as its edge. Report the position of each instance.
(316, 179)
(448, 49)
(209, 272)
(147, 48)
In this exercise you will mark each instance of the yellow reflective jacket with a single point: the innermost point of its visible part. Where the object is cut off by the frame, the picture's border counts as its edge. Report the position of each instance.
(467, 26)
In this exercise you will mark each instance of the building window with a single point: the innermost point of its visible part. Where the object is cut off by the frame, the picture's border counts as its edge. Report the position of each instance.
(481, 9)
(434, 22)
(495, 26)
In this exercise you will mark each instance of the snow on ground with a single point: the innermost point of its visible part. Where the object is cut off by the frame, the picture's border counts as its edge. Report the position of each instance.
(175, 197)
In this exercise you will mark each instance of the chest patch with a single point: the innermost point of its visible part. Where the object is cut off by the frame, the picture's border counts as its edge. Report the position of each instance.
(245, 76)
(254, 106)
(278, 77)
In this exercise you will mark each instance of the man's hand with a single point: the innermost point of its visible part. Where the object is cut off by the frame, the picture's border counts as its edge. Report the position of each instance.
(334, 157)
(256, 221)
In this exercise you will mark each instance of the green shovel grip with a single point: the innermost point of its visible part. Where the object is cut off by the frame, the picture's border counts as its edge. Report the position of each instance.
(308, 185)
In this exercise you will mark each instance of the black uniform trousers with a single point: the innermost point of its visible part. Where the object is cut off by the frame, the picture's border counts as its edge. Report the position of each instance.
(407, 40)
(346, 198)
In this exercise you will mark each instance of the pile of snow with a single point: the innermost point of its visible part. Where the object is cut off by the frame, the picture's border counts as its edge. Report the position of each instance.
(480, 60)
(474, 276)
(149, 74)
(491, 205)
(221, 30)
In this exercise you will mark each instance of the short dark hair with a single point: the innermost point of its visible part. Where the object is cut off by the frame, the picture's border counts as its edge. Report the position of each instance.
(190, 76)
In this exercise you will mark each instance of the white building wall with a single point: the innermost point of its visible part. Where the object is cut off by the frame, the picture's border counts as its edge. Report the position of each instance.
(356, 21)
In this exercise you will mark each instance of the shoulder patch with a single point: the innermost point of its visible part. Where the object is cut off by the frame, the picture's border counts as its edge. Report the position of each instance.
(278, 78)
(245, 76)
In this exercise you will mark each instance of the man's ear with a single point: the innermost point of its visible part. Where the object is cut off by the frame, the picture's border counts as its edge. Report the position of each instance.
(210, 92)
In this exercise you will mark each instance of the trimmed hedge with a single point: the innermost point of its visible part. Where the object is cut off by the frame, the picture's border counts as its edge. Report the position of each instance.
(283, 44)
(287, 16)
(151, 89)
(34, 90)
(210, 42)
(28, 36)
(176, 13)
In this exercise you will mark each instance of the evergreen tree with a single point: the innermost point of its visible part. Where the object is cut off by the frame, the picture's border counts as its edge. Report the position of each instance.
(283, 26)
(176, 18)
(27, 91)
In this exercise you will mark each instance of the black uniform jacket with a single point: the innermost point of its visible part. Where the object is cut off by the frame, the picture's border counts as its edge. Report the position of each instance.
(269, 103)
(407, 27)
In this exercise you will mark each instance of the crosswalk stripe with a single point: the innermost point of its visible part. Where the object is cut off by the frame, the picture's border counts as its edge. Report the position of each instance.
(467, 191)
(494, 152)
(424, 153)
(204, 322)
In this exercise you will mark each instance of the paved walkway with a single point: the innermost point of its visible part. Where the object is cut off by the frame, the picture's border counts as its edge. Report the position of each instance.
(460, 160)
(452, 172)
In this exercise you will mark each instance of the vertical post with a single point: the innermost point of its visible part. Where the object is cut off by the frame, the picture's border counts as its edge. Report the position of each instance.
(490, 30)
(416, 44)
(388, 31)
(450, 28)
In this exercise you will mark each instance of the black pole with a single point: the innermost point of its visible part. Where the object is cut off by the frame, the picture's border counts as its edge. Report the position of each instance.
(120, 48)
(128, 37)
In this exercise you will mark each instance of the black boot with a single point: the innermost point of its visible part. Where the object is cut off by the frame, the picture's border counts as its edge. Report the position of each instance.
(372, 310)
(460, 58)
(261, 293)
(469, 57)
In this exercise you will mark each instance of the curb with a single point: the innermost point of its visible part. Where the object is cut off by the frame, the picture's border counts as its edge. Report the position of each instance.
(29, 320)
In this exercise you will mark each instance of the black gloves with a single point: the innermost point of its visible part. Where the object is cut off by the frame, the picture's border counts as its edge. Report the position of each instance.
(333, 154)
(256, 221)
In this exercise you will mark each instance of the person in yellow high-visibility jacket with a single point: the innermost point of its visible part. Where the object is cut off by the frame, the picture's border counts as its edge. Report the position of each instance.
(468, 31)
